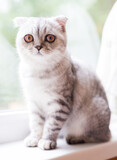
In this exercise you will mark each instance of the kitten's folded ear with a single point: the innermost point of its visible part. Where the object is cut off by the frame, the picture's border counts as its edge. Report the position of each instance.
(62, 21)
(19, 21)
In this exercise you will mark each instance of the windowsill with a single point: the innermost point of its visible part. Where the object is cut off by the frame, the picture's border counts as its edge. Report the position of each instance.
(17, 150)
(100, 151)
(14, 127)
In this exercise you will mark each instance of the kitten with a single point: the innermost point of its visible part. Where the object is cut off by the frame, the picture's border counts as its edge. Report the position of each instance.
(62, 95)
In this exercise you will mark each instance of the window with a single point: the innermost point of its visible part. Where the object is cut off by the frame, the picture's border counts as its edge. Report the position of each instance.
(84, 28)
(83, 40)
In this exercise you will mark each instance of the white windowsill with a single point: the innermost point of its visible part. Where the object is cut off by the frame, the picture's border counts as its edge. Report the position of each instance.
(17, 151)
(100, 151)
(14, 127)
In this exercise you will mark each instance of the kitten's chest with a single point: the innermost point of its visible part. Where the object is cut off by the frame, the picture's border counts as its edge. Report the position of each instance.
(38, 89)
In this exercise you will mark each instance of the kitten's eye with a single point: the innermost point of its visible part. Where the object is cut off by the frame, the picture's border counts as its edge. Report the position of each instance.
(28, 38)
(50, 38)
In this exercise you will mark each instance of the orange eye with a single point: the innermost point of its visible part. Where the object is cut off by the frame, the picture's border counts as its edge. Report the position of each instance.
(50, 38)
(28, 38)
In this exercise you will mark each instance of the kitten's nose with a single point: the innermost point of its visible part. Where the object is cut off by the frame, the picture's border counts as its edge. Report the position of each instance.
(38, 47)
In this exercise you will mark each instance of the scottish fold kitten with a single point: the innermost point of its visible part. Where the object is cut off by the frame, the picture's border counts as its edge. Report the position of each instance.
(62, 95)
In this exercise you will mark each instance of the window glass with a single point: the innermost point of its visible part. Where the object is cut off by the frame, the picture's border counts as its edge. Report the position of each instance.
(84, 28)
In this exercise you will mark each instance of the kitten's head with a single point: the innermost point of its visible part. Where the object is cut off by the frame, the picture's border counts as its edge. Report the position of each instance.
(41, 37)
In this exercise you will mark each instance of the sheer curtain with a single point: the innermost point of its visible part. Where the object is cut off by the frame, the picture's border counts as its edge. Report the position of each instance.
(83, 39)
(107, 64)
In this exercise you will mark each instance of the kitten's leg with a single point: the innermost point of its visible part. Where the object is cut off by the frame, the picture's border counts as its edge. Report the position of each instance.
(53, 126)
(90, 137)
(97, 136)
(96, 126)
(98, 122)
(36, 128)
(71, 139)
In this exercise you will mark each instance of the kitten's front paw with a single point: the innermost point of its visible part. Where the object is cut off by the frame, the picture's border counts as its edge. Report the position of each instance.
(31, 141)
(46, 144)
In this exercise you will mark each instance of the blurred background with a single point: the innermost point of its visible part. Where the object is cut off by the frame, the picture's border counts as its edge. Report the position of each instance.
(84, 30)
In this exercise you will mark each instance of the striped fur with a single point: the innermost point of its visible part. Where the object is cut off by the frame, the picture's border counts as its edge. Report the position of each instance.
(63, 96)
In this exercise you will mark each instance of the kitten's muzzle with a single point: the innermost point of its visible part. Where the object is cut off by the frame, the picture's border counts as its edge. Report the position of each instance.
(38, 47)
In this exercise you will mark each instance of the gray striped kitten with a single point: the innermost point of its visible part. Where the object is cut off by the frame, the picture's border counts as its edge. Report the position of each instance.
(62, 95)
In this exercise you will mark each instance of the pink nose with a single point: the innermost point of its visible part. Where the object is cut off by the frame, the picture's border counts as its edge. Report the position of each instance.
(38, 47)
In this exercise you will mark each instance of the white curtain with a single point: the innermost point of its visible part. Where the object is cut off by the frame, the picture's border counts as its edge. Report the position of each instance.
(107, 64)
(83, 39)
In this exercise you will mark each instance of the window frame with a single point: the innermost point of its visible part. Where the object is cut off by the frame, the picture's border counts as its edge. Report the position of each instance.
(14, 125)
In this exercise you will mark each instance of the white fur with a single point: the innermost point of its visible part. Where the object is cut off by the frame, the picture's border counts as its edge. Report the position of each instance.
(41, 80)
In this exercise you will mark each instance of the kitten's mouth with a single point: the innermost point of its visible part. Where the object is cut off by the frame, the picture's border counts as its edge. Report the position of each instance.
(39, 53)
